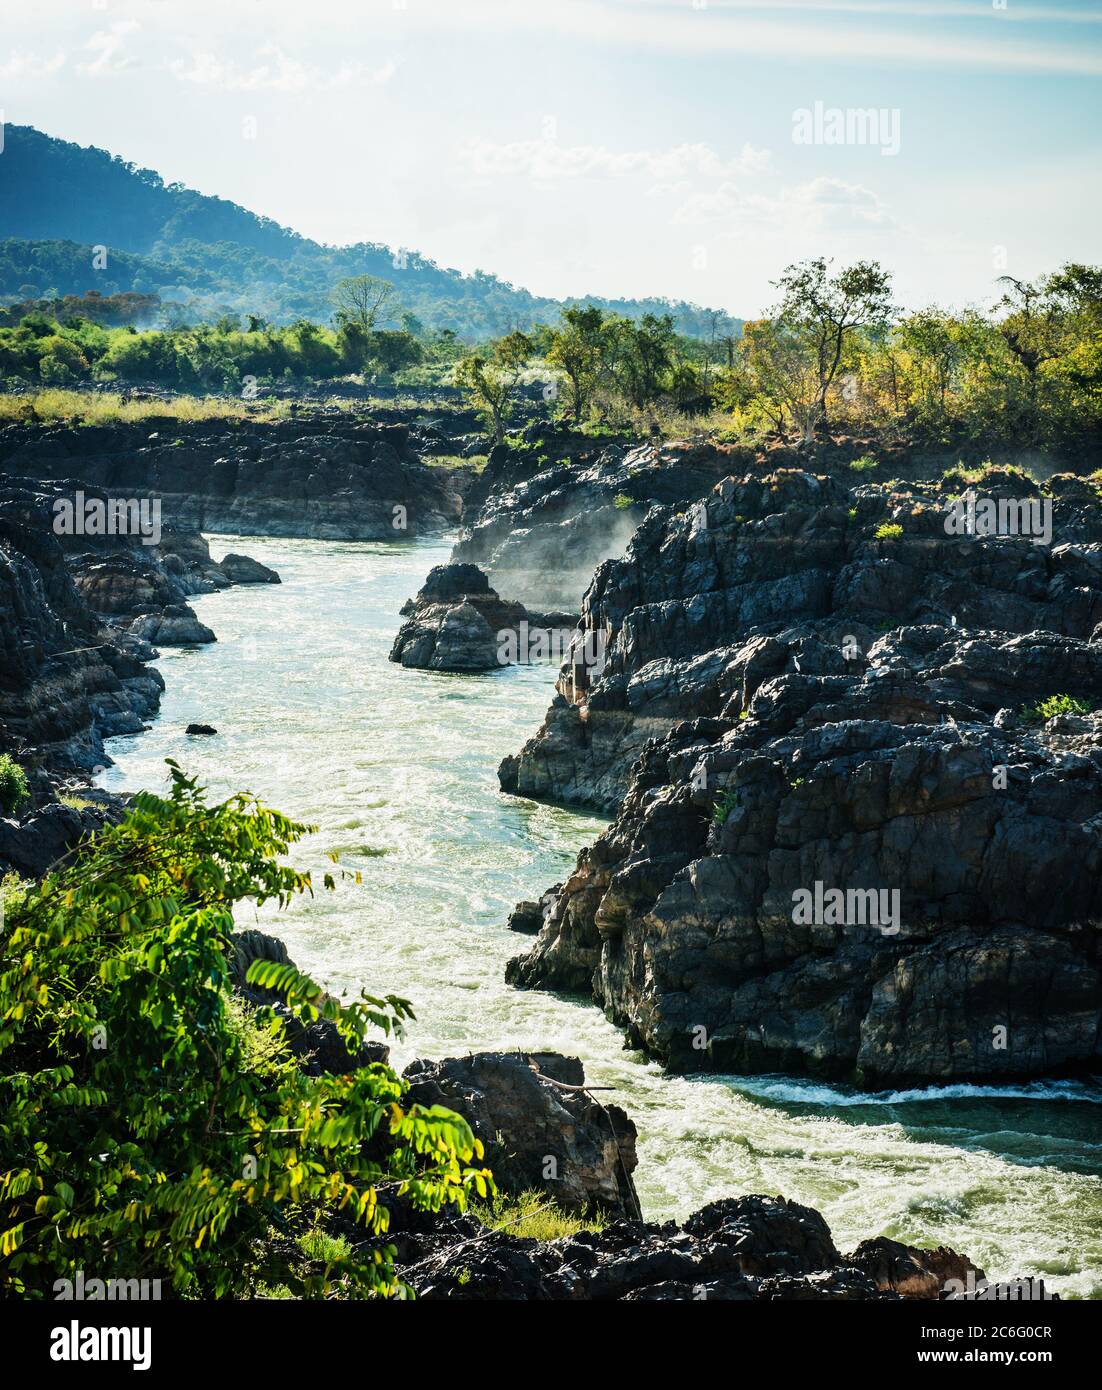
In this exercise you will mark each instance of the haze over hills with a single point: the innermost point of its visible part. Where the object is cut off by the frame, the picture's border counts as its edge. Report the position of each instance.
(205, 256)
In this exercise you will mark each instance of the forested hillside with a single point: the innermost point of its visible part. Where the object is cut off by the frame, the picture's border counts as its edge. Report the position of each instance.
(206, 256)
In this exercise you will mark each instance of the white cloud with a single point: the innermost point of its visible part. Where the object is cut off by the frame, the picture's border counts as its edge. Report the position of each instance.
(822, 204)
(29, 66)
(107, 46)
(277, 73)
(817, 34)
(544, 160)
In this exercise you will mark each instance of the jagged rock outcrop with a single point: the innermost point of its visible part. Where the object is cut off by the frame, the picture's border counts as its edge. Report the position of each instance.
(67, 680)
(740, 1249)
(809, 752)
(455, 623)
(541, 539)
(458, 623)
(333, 475)
(541, 1128)
(79, 615)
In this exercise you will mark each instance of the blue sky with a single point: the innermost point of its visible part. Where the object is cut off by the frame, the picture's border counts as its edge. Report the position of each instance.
(629, 147)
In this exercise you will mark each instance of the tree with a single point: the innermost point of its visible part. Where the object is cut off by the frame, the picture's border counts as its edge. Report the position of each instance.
(490, 382)
(1048, 319)
(362, 301)
(576, 347)
(827, 310)
(153, 1125)
(785, 368)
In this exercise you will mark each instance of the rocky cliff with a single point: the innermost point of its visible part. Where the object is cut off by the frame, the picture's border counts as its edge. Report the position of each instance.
(812, 689)
(331, 475)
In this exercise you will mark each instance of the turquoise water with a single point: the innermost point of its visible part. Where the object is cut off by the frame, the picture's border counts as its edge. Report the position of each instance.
(398, 770)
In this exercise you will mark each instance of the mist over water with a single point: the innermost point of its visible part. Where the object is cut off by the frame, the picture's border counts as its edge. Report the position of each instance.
(398, 768)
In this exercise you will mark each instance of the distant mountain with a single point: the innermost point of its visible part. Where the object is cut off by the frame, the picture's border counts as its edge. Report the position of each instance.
(59, 200)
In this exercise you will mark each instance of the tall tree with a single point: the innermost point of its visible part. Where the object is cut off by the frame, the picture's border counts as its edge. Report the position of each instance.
(828, 309)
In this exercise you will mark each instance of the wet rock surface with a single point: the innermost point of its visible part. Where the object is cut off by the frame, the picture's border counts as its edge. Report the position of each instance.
(539, 536)
(790, 699)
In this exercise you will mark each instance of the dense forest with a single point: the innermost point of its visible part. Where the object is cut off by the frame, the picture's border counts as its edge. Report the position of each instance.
(834, 353)
(206, 256)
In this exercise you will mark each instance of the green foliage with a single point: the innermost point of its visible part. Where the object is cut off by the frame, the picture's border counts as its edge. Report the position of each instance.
(491, 379)
(622, 501)
(865, 464)
(531, 1215)
(14, 788)
(1052, 706)
(725, 804)
(153, 1127)
(888, 531)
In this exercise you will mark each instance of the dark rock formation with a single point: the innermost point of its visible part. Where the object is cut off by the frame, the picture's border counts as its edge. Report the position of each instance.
(241, 569)
(456, 623)
(78, 618)
(334, 476)
(798, 747)
(541, 537)
(30, 847)
(542, 1130)
(67, 680)
(740, 1249)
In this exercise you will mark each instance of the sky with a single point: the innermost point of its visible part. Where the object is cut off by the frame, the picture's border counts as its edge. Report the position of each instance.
(688, 148)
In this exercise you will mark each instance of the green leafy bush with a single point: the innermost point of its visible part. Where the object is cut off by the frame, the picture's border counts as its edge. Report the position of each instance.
(154, 1126)
(865, 464)
(14, 789)
(622, 501)
(726, 802)
(1053, 705)
(888, 531)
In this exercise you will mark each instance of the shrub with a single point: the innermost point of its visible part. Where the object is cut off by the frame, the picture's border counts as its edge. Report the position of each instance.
(726, 802)
(1053, 705)
(14, 789)
(533, 1216)
(888, 531)
(622, 501)
(154, 1126)
(865, 464)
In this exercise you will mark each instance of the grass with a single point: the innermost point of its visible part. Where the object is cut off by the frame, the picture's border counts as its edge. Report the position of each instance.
(533, 1215)
(865, 464)
(888, 531)
(108, 408)
(76, 803)
(963, 476)
(1052, 706)
(451, 461)
(319, 1245)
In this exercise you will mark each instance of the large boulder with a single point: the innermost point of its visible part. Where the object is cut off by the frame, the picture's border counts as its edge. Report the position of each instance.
(542, 1129)
(456, 623)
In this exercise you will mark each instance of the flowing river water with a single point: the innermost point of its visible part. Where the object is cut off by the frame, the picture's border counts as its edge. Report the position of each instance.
(398, 770)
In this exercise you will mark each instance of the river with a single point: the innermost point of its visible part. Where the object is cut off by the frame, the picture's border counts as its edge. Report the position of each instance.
(398, 770)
